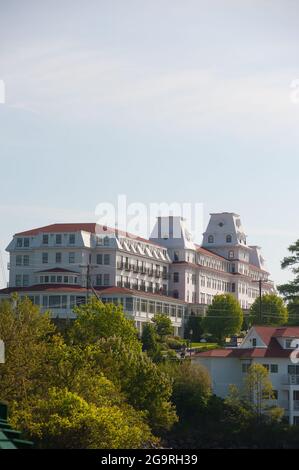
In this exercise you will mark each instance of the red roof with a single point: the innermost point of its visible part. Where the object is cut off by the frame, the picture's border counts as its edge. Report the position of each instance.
(207, 252)
(86, 227)
(243, 353)
(287, 332)
(268, 335)
(102, 290)
(58, 270)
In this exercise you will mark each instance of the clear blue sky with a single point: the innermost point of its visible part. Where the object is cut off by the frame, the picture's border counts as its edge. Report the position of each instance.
(163, 101)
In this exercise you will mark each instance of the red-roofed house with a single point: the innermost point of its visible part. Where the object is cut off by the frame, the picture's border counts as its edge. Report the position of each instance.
(275, 348)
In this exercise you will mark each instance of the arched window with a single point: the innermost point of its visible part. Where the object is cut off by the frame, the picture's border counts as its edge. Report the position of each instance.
(210, 239)
(228, 238)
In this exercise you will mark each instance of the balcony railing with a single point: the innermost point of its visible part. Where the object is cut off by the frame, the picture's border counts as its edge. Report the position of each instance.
(290, 379)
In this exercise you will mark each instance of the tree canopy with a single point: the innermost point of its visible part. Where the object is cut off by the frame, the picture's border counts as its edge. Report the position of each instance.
(290, 290)
(224, 317)
(273, 311)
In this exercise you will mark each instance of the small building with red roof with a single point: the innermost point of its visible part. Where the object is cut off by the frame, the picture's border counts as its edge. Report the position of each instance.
(276, 348)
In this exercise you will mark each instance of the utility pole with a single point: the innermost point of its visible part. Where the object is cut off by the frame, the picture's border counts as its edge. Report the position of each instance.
(260, 289)
(260, 283)
(89, 286)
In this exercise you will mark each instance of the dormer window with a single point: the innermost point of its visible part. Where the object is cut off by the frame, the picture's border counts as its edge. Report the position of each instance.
(231, 254)
(253, 342)
(228, 238)
(210, 239)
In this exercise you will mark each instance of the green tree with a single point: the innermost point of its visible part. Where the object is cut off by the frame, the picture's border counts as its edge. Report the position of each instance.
(191, 390)
(293, 312)
(98, 320)
(150, 343)
(290, 291)
(274, 312)
(102, 333)
(63, 419)
(258, 389)
(163, 325)
(144, 384)
(196, 325)
(224, 317)
(28, 337)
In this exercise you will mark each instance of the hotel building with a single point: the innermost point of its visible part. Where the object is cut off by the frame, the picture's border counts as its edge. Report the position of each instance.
(58, 266)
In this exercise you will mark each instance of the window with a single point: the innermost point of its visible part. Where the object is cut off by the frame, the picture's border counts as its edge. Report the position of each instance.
(193, 279)
(26, 242)
(176, 277)
(19, 242)
(176, 294)
(99, 280)
(293, 370)
(267, 366)
(58, 239)
(106, 241)
(274, 368)
(245, 368)
(106, 259)
(228, 238)
(106, 279)
(233, 287)
(210, 239)
(72, 239)
(253, 341)
(45, 258)
(175, 256)
(65, 279)
(231, 254)
(45, 239)
(71, 257)
(26, 260)
(18, 280)
(58, 258)
(100, 258)
(25, 280)
(289, 344)
(99, 240)
(18, 260)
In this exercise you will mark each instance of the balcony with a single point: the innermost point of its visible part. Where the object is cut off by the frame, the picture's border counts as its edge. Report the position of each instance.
(120, 266)
(290, 379)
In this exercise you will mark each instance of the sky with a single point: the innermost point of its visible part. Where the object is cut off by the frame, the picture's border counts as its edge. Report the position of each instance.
(174, 101)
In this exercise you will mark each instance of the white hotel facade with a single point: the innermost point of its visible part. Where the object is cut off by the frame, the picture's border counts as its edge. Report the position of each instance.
(59, 265)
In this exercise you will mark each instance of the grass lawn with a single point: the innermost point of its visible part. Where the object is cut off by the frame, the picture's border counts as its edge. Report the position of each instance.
(205, 346)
